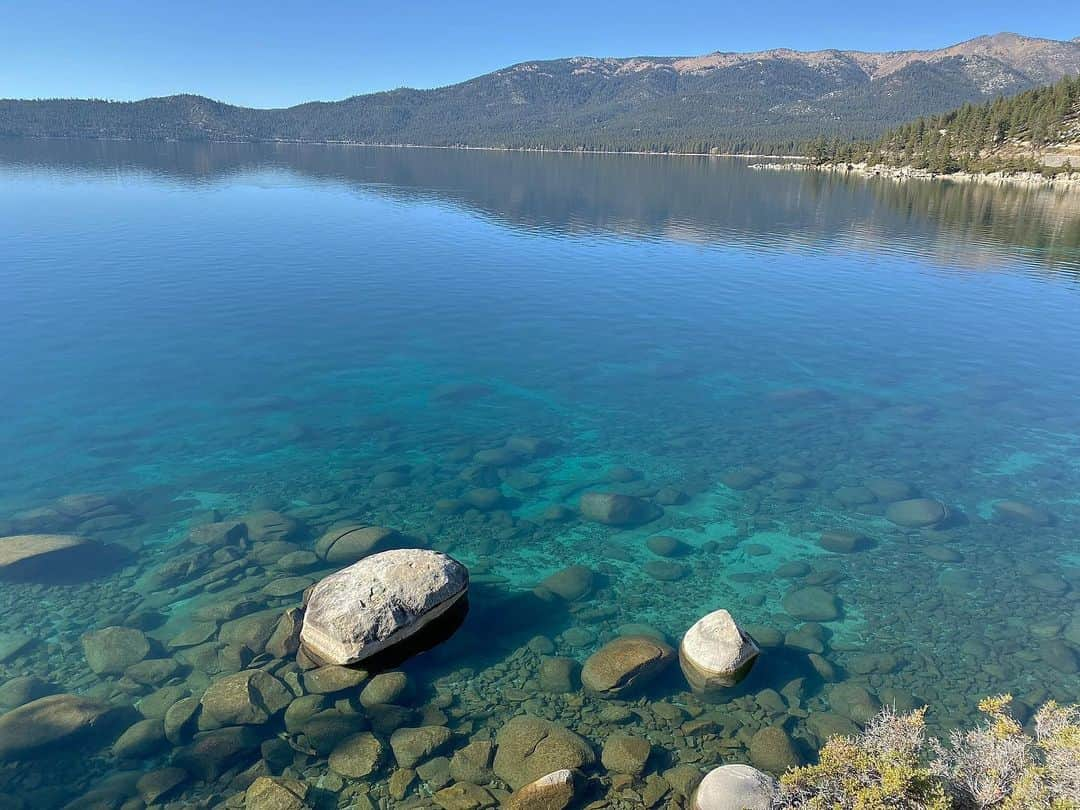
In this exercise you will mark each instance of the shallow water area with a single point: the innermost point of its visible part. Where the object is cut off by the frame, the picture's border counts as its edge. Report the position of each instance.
(458, 346)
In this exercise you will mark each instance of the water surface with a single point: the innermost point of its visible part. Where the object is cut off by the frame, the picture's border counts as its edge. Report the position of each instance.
(333, 334)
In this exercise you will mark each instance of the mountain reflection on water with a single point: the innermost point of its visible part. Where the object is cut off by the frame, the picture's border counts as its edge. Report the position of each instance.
(679, 197)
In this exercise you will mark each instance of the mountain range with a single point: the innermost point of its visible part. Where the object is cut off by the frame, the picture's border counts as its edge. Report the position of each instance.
(767, 101)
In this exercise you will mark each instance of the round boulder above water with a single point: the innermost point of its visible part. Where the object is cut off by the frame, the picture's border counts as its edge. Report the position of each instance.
(378, 602)
(615, 509)
(352, 542)
(715, 652)
(917, 513)
(735, 787)
(624, 664)
(812, 604)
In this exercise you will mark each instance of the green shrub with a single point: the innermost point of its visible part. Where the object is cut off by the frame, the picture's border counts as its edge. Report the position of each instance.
(892, 764)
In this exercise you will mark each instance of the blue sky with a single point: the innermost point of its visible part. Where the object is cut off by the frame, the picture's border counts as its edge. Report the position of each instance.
(273, 54)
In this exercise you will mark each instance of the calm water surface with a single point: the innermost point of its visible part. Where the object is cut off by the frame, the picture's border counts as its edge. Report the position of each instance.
(333, 334)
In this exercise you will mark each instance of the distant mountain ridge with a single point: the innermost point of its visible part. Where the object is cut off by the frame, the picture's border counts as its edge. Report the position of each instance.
(764, 101)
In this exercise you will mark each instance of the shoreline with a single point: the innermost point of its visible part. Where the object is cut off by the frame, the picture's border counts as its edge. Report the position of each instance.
(460, 148)
(903, 173)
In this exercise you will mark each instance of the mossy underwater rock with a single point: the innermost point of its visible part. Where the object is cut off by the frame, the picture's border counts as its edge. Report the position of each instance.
(528, 748)
(716, 653)
(625, 664)
(616, 509)
(379, 602)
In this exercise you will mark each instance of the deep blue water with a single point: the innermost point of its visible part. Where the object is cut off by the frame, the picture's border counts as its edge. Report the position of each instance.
(231, 328)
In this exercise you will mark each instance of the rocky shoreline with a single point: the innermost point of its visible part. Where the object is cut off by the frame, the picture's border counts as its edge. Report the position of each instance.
(1031, 179)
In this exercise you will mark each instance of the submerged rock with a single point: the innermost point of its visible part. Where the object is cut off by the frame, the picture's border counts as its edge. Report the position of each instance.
(47, 721)
(735, 787)
(1018, 512)
(379, 602)
(626, 753)
(250, 697)
(624, 664)
(23, 689)
(276, 793)
(570, 584)
(347, 544)
(812, 604)
(553, 791)
(664, 546)
(843, 542)
(33, 556)
(716, 653)
(771, 750)
(528, 748)
(357, 756)
(615, 509)
(917, 513)
(113, 649)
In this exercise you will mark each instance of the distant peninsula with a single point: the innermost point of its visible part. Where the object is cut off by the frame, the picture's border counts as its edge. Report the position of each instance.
(768, 102)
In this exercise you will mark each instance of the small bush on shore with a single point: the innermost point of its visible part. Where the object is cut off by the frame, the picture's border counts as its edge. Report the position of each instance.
(997, 764)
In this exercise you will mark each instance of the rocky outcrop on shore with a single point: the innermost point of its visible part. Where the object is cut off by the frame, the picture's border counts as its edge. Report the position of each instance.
(1064, 180)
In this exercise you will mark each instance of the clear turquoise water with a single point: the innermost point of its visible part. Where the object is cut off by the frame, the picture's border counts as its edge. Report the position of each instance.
(233, 328)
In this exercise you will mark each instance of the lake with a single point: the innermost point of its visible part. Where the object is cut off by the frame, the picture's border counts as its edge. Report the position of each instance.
(457, 345)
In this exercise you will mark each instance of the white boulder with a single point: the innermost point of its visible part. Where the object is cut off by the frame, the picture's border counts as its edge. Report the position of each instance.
(378, 602)
(735, 787)
(716, 653)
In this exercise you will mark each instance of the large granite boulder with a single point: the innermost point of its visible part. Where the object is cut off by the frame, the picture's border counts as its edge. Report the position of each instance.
(624, 664)
(52, 720)
(615, 509)
(735, 787)
(352, 542)
(378, 602)
(528, 748)
(716, 653)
